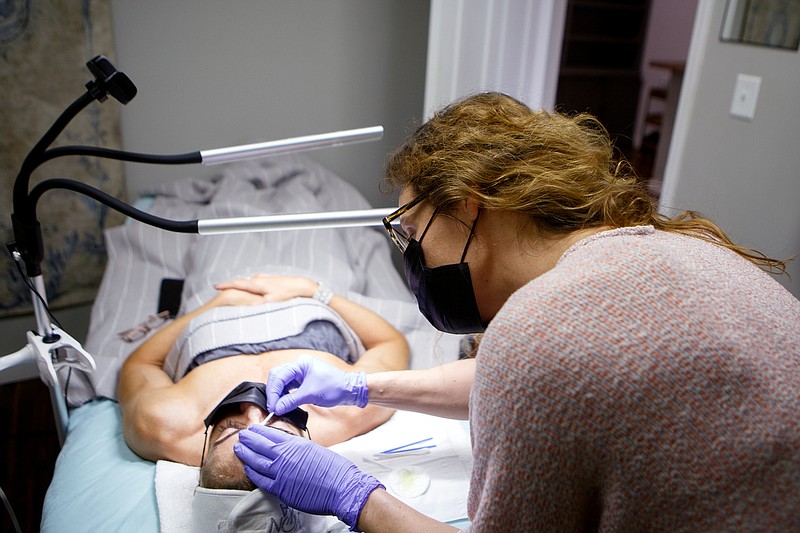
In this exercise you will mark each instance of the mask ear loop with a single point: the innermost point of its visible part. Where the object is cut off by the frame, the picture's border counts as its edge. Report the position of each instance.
(435, 212)
(469, 239)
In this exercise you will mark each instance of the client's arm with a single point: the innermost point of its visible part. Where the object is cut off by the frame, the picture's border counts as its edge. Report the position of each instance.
(386, 347)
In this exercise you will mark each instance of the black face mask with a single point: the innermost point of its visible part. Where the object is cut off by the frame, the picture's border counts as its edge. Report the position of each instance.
(444, 294)
(252, 392)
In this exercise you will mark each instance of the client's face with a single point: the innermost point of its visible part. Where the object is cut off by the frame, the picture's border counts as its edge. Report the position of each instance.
(221, 468)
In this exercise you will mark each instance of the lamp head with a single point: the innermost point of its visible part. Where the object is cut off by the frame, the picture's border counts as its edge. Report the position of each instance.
(109, 80)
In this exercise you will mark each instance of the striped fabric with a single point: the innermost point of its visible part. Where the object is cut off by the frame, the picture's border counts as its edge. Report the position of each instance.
(229, 326)
(649, 382)
(354, 262)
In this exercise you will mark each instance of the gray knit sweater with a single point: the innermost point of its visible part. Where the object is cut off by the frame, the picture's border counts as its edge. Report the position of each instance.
(649, 382)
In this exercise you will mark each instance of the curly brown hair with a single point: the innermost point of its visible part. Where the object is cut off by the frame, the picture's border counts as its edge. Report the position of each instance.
(560, 170)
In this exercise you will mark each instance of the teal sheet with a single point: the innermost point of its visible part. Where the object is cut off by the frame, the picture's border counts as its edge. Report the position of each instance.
(99, 484)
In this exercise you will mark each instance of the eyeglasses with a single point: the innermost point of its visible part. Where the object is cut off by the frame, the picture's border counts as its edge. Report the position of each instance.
(392, 223)
(139, 332)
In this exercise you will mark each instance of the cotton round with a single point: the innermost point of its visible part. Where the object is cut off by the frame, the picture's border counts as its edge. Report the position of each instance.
(409, 482)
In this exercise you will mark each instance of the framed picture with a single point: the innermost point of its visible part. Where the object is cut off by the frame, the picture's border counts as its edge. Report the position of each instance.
(774, 23)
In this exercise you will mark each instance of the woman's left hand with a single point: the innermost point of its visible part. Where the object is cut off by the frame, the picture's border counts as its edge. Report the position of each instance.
(304, 475)
(272, 288)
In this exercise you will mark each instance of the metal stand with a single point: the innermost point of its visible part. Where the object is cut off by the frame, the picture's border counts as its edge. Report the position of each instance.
(50, 349)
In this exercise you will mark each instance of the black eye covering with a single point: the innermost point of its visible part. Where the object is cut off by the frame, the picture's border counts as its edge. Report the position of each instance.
(253, 392)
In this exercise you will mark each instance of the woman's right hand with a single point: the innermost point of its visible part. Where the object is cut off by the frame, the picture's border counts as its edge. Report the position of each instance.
(314, 382)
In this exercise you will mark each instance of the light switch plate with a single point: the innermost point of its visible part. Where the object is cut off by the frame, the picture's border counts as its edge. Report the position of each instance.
(745, 96)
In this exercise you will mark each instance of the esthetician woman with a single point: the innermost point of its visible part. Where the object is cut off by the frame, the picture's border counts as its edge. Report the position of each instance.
(636, 372)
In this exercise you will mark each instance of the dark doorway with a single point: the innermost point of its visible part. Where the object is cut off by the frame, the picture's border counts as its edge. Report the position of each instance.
(601, 58)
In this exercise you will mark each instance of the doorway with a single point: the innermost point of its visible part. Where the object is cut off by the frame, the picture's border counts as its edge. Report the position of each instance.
(612, 64)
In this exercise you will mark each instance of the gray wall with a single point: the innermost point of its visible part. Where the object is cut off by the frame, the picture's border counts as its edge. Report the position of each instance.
(214, 74)
(744, 175)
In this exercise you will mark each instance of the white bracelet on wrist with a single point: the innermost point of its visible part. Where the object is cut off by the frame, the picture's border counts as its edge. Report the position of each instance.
(323, 294)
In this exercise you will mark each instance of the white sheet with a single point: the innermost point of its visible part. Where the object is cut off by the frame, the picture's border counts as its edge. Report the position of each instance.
(175, 484)
(449, 464)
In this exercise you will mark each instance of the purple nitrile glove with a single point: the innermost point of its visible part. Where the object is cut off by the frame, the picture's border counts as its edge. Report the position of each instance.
(304, 475)
(316, 383)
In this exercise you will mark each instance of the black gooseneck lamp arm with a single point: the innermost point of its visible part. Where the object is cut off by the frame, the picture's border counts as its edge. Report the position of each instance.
(52, 349)
(27, 231)
(28, 246)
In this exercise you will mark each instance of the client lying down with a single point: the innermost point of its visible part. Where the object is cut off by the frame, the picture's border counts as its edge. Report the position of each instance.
(171, 383)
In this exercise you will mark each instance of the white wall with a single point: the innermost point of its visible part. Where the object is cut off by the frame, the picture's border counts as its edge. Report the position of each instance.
(744, 175)
(215, 74)
(512, 46)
